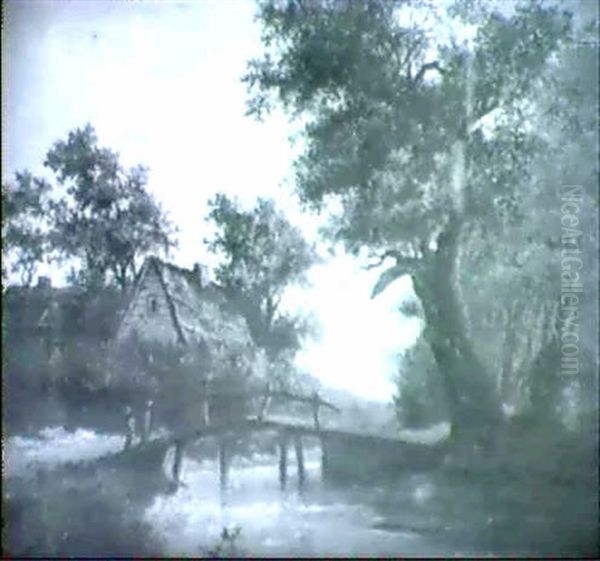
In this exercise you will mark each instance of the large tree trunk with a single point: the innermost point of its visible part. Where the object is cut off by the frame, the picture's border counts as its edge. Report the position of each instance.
(474, 404)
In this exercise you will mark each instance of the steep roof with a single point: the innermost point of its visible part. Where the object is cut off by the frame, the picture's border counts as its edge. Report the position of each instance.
(200, 311)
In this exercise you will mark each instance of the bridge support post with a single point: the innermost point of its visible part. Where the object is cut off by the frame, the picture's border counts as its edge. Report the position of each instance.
(178, 461)
(223, 464)
(300, 459)
(324, 458)
(283, 450)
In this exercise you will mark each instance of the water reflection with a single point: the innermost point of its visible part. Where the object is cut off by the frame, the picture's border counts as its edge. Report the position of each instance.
(314, 520)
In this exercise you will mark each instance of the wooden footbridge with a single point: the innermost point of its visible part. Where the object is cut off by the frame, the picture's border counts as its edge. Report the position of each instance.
(338, 447)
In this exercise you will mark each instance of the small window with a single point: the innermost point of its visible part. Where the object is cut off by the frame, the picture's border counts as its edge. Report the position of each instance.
(152, 304)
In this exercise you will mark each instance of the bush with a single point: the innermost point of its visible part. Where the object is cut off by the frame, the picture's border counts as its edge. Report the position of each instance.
(59, 514)
(26, 366)
(420, 400)
(178, 378)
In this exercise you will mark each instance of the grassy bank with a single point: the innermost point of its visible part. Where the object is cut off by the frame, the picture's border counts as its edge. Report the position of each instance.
(539, 497)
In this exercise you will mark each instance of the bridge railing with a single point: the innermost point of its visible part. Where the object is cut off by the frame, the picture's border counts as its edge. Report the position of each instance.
(265, 396)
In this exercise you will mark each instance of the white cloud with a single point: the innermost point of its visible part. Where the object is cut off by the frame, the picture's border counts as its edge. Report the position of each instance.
(360, 338)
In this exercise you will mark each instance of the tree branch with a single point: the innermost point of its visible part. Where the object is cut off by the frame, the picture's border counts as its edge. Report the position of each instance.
(485, 111)
(406, 62)
(435, 65)
(402, 258)
(409, 264)
(381, 258)
(403, 266)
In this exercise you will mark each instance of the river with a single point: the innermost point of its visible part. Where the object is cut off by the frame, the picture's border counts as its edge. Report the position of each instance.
(411, 514)
(321, 519)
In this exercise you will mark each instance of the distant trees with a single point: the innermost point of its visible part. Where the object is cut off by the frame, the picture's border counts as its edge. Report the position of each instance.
(511, 269)
(96, 212)
(262, 255)
(420, 399)
(432, 148)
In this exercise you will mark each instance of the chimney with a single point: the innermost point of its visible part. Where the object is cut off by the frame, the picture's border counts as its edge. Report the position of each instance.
(201, 274)
(44, 282)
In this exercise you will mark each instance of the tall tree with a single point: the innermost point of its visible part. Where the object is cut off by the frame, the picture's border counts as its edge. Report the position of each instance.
(24, 240)
(396, 132)
(262, 254)
(103, 216)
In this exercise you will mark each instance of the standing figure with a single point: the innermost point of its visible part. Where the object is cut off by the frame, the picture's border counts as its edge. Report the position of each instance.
(148, 418)
(129, 427)
(265, 403)
(177, 462)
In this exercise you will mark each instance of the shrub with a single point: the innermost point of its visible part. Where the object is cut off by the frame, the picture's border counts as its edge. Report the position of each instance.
(177, 378)
(420, 399)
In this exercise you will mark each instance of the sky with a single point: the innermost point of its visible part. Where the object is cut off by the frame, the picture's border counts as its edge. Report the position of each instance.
(160, 83)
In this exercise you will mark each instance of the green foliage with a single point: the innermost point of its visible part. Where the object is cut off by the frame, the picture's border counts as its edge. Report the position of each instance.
(262, 255)
(263, 252)
(99, 214)
(80, 366)
(420, 400)
(108, 219)
(511, 268)
(25, 365)
(24, 241)
(379, 134)
(411, 308)
(179, 379)
(437, 152)
(47, 381)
